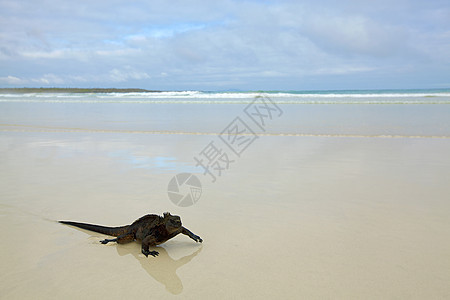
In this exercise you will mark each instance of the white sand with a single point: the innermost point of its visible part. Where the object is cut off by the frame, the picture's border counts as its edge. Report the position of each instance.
(295, 217)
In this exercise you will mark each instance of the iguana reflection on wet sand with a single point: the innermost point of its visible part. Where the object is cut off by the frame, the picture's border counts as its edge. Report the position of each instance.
(164, 269)
(151, 230)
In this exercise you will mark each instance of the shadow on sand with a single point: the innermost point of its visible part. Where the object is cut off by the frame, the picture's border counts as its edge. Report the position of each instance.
(162, 268)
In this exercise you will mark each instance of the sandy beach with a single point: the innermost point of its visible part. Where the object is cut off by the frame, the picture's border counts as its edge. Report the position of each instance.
(327, 207)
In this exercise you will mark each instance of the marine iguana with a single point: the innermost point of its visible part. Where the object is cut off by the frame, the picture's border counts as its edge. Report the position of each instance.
(151, 230)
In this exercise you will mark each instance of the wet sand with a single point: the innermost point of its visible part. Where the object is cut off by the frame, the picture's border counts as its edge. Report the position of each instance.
(294, 217)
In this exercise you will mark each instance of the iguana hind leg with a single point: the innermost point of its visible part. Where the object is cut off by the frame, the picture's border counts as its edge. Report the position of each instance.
(121, 239)
(106, 241)
(125, 238)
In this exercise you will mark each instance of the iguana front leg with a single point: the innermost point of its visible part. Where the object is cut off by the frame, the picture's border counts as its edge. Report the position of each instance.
(191, 235)
(146, 243)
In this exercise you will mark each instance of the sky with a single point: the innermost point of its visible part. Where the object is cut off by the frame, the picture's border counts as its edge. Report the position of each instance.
(225, 45)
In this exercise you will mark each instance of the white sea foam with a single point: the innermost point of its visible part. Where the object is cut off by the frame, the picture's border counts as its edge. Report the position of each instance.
(197, 97)
(244, 95)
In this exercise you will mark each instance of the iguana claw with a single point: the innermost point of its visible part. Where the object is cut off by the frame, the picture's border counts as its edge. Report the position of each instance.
(152, 253)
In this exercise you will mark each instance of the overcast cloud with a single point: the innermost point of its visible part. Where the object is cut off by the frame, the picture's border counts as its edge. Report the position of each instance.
(221, 45)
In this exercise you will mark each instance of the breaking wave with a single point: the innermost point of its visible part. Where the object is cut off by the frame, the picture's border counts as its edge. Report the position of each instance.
(199, 97)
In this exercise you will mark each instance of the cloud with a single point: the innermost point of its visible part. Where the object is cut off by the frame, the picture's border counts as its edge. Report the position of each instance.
(45, 80)
(115, 75)
(11, 80)
(48, 79)
(127, 74)
(354, 35)
(53, 54)
(205, 44)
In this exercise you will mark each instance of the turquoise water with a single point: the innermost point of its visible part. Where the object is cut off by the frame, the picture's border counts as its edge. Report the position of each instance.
(368, 92)
(441, 96)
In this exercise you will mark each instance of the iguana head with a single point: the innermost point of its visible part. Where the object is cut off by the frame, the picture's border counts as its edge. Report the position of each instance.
(173, 223)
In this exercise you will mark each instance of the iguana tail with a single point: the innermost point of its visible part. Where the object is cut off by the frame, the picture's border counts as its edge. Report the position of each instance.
(113, 231)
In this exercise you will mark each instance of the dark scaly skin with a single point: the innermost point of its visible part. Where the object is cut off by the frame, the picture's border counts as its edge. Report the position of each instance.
(150, 230)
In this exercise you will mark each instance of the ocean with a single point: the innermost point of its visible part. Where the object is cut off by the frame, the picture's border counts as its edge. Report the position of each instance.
(419, 96)
(403, 113)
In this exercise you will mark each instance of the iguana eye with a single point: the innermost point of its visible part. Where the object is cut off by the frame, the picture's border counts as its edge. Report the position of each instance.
(175, 222)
